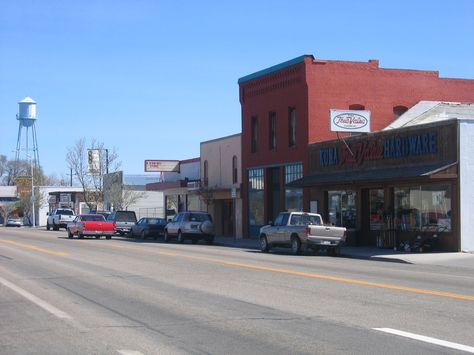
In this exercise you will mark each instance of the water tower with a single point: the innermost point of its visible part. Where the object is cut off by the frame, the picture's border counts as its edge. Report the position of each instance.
(26, 120)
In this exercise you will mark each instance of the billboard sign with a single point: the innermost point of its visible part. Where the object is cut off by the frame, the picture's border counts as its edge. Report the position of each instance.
(161, 166)
(350, 121)
(93, 160)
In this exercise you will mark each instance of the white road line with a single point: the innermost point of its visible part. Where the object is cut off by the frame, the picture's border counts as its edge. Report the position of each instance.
(426, 339)
(36, 300)
(129, 352)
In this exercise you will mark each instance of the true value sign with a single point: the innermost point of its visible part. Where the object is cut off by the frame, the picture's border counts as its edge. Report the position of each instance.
(350, 120)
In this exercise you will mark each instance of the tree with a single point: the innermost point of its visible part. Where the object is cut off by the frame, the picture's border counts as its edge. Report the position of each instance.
(121, 197)
(206, 196)
(7, 207)
(118, 195)
(92, 184)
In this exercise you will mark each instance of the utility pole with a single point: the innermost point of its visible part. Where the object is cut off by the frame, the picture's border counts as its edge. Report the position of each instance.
(32, 196)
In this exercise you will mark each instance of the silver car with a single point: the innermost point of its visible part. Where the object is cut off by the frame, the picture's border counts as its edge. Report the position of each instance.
(14, 222)
(190, 225)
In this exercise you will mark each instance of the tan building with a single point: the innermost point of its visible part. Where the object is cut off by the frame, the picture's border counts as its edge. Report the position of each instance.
(221, 178)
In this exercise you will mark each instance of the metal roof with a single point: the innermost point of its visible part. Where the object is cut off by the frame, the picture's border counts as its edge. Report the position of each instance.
(433, 111)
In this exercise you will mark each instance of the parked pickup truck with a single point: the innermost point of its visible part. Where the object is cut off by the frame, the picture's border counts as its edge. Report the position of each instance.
(59, 218)
(301, 230)
(90, 225)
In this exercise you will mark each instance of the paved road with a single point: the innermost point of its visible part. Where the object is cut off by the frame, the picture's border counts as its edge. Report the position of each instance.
(119, 296)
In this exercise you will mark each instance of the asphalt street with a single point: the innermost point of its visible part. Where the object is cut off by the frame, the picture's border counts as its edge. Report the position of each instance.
(125, 296)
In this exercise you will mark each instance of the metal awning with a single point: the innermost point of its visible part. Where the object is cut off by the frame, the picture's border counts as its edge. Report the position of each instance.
(369, 175)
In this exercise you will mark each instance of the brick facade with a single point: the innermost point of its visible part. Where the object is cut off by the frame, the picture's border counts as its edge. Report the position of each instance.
(313, 87)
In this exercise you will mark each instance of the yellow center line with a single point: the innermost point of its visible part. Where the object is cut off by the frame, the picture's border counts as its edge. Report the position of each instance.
(271, 269)
(320, 276)
(355, 281)
(33, 247)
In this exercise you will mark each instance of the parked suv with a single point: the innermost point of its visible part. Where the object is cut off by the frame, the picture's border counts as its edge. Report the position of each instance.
(190, 225)
(59, 218)
(123, 220)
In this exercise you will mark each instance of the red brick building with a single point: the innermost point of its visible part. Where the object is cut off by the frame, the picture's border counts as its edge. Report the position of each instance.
(286, 107)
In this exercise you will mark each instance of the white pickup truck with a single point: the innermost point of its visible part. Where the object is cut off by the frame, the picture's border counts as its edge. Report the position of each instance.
(59, 218)
(301, 230)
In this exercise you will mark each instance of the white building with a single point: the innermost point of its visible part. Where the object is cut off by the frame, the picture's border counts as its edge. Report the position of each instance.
(221, 167)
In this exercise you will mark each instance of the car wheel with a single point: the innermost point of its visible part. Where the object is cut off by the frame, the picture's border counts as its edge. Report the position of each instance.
(166, 237)
(48, 227)
(264, 244)
(295, 246)
(180, 237)
(142, 235)
(55, 227)
(69, 234)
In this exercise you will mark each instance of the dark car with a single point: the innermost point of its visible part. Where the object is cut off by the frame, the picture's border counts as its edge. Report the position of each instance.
(124, 221)
(149, 227)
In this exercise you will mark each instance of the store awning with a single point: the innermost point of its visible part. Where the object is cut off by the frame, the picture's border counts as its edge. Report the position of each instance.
(386, 173)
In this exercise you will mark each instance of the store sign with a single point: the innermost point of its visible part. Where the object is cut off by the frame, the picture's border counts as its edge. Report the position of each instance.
(379, 149)
(350, 121)
(162, 166)
(93, 160)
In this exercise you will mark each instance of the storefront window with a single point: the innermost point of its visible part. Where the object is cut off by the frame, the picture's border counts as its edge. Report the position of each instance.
(342, 208)
(256, 199)
(423, 208)
(293, 196)
(376, 198)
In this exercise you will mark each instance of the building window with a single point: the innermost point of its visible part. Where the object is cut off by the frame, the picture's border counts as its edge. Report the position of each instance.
(293, 195)
(356, 107)
(234, 170)
(423, 208)
(254, 137)
(399, 110)
(256, 184)
(206, 172)
(272, 130)
(291, 126)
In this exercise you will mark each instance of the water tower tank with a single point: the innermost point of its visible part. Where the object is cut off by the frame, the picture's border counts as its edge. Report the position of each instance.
(27, 115)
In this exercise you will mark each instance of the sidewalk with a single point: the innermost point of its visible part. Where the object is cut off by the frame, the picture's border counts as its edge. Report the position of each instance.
(458, 260)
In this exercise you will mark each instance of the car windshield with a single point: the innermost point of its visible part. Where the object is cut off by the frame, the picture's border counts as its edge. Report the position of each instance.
(200, 217)
(65, 212)
(93, 218)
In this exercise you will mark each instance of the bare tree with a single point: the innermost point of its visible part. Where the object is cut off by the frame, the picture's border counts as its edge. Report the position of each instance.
(92, 184)
(206, 196)
(7, 207)
(118, 195)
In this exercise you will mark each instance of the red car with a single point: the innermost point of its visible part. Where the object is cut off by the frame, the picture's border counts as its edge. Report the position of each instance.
(93, 225)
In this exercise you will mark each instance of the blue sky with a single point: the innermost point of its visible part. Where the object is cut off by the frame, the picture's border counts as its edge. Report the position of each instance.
(153, 79)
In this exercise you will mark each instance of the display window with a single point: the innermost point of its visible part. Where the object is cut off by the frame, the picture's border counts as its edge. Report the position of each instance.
(342, 208)
(256, 197)
(293, 196)
(423, 208)
(377, 207)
